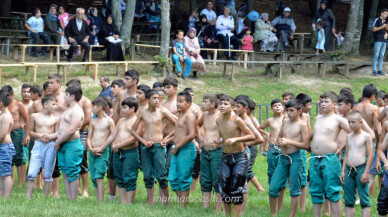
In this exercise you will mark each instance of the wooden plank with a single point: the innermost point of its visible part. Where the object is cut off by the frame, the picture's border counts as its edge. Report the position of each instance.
(1, 73)
(23, 54)
(232, 73)
(224, 70)
(215, 57)
(58, 55)
(95, 72)
(245, 60)
(65, 74)
(34, 78)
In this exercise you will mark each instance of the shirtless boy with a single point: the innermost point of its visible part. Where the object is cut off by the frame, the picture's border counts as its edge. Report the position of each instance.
(131, 79)
(7, 149)
(184, 152)
(68, 143)
(292, 137)
(211, 150)
(382, 199)
(153, 146)
(234, 163)
(86, 106)
(43, 128)
(370, 114)
(126, 154)
(355, 170)
(36, 97)
(325, 167)
(170, 87)
(99, 130)
(20, 139)
(274, 123)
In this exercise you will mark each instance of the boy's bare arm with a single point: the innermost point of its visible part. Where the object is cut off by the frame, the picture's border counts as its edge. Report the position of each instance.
(24, 115)
(301, 145)
(258, 137)
(76, 119)
(365, 127)
(380, 152)
(344, 164)
(134, 130)
(87, 108)
(376, 122)
(112, 136)
(89, 138)
(118, 108)
(263, 126)
(167, 114)
(190, 124)
(32, 129)
(244, 129)
(111, 131)
(369, 150)
(344, 124)
(382, 115)
(200, 120)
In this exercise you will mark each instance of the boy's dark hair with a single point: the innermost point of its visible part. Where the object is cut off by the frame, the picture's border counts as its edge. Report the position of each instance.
(251, 105)
(188, 90)
(57, 77)
(244, 101)
(157, 84)
(369, 90)
(36, 89)
(133, 74)
(227, 98)
(35, 11)
(45, 85)
(118, 82)
(73, 82)
(346, 98)
(150, 93)
(7, 89)
(303, 98)
(130, 102)
(5, 98)
(213, 98)
(346, 89)
(187, 96)
(380, 94)
(108, 100)
(291, 95)
(143, 88)
(178, 31)
(75, 91)
(100, 102)
(275, 101)
(329, 95)
(170, 81)
(48, 98)
(294, 103)
(26, 85)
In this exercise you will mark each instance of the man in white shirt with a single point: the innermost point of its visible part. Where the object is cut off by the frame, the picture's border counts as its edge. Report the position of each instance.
(210, 14)
(225, 26)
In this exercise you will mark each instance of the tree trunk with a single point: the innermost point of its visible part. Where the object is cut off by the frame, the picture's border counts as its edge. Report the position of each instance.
(372, 17)
(249, 9)
(193, 4)
(128, 21)
(116, 13)
(351, 25)
(5, 8)
(358, 30)
(166, 26)
(318, 5)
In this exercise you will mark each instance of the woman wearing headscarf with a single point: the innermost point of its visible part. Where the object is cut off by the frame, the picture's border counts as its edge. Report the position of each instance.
(114, 51)
(95, 25)
(263, 33)
(193, 52)
(328, 18)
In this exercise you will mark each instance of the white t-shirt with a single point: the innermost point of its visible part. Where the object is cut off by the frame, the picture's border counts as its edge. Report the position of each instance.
(211, 15)
(36, 23)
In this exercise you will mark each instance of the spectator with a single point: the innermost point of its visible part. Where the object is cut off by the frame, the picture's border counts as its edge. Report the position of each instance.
(339, 38)
(247, 40)
(328, 18)
(51, 25)
(35, 26)
(210, 14)
(193, 19)
(225, 26)
(320, 47)
(77, 32)
(193, 52)
(284, 28)
(205, 35)
(95, 25)
(380, 37)
(106, 89)
(179, 55)
(63, 17)
(263, 33)
(114, 50)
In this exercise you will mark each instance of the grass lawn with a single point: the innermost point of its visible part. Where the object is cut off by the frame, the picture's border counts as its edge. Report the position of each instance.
(260, 88)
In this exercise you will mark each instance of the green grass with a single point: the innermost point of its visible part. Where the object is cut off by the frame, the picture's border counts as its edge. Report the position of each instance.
(260, 88)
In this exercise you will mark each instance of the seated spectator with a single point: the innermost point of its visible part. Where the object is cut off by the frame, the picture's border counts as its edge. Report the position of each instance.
(114, 50)
(63, 17)
(205, 35)
(77, 32)
(35, 26)
(51, 25)
(284, 28)
(210, 15)
(263, 33)
(179, 55)
(193, 52)
(106, 88)
(225, 26)
(193, 19)
(95, 25)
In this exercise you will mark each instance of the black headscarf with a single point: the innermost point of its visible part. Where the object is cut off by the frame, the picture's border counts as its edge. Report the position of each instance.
(323, 2)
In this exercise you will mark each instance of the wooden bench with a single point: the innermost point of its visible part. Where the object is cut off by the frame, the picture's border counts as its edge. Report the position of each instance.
(297, 40)
(6, 42)
(27, 66)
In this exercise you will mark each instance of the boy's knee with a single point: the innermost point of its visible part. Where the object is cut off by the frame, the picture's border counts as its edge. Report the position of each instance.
(295, 193)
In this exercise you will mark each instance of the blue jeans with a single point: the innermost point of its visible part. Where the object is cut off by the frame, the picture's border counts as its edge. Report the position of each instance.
(175, 59)
(378, 53)
(42, 155)
(7, 151)
(225, 41)
(35, 39)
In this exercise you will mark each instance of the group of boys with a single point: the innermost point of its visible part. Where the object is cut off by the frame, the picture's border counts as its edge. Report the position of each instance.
(172, 140)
